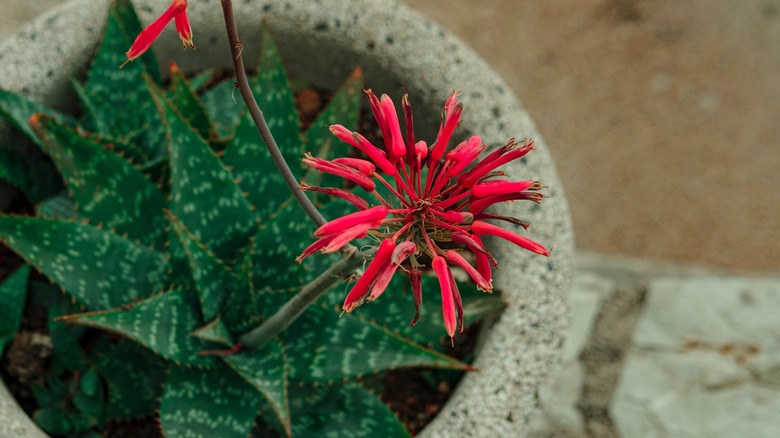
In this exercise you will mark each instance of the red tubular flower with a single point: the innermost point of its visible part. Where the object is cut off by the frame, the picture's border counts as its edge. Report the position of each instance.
(435, 210)
(357, 295)
(481, 228)
(176, 11)
(371, 215)
(447, 300)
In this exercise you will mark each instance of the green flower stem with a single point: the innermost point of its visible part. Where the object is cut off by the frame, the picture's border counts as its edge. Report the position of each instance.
(236, 48)
(288, 313)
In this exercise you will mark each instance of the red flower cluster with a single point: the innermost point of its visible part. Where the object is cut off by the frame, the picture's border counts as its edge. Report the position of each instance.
(176, 11)
(437, 210)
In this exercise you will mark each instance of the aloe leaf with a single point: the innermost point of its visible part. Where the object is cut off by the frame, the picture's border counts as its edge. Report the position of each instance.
(189, 105)
(97, 116)
(54, 420)
(199, 403)
(96, 267)
(204, 195)
(224, 106)
(106, 188)
(275, 246)
(213, 277)
(343, 109)
(17, 110)
(37, 179)
(162, 323)
(90, 399)
(124, 89)
(202, 79)
(266, 370)
(216, 332)
(58, 206)
(134, 377)
(323, 347)
(13, 293)
(341, 411)
(246, 153)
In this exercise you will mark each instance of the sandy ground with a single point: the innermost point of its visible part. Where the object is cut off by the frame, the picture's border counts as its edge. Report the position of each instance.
(661, 115)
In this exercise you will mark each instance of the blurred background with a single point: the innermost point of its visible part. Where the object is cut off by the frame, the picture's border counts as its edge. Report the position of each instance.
(663, 116)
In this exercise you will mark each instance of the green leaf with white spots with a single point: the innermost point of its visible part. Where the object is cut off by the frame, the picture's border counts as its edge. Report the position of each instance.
(341, 411)
(213, 278)
(59, 206)
(125, 87)
(204, 195)
(343, 109)
(134, 377)
(202, 79)
(17, 110)
(275, 247)
(13, 293)
(162, 323)
(106, 188)
(189, 105)
(36, 178)
(274, 96)
(216, 332)
(198, 403)
(98, 268)
(97, 116)
(266, 370)
(65, 338)
(324, 347)
(246, 153)
(224, 106)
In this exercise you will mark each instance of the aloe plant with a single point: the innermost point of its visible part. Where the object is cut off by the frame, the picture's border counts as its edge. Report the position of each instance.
(170, 231)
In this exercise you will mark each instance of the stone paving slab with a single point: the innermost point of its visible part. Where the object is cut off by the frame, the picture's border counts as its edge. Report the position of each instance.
(705, 361)
(558, 412)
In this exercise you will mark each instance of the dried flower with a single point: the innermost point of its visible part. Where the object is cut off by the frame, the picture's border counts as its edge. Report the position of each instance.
(176, 11)
(437, 209)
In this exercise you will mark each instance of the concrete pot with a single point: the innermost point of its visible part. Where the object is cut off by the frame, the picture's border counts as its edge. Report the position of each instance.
(398, 49)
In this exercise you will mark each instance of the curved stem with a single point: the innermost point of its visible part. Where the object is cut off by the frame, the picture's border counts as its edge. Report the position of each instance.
(236, 48)
(291, 310)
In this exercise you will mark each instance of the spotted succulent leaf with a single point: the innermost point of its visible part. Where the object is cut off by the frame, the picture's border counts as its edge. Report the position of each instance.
(204, 195)
(36, 178)
(266, 370)
(126, 87)
(197, 403)
(13, 293)
(97, 116)
(224, 106)
(214, 279)
(189, 105)
(134, 377)
(215, 332)
(324, 347)
(341, 411)
(17, 110)
(107, 189)
(59, 206)
(162, 323)
(97, 268)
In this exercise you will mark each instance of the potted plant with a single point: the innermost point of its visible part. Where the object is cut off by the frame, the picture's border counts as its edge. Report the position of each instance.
(518, 350)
